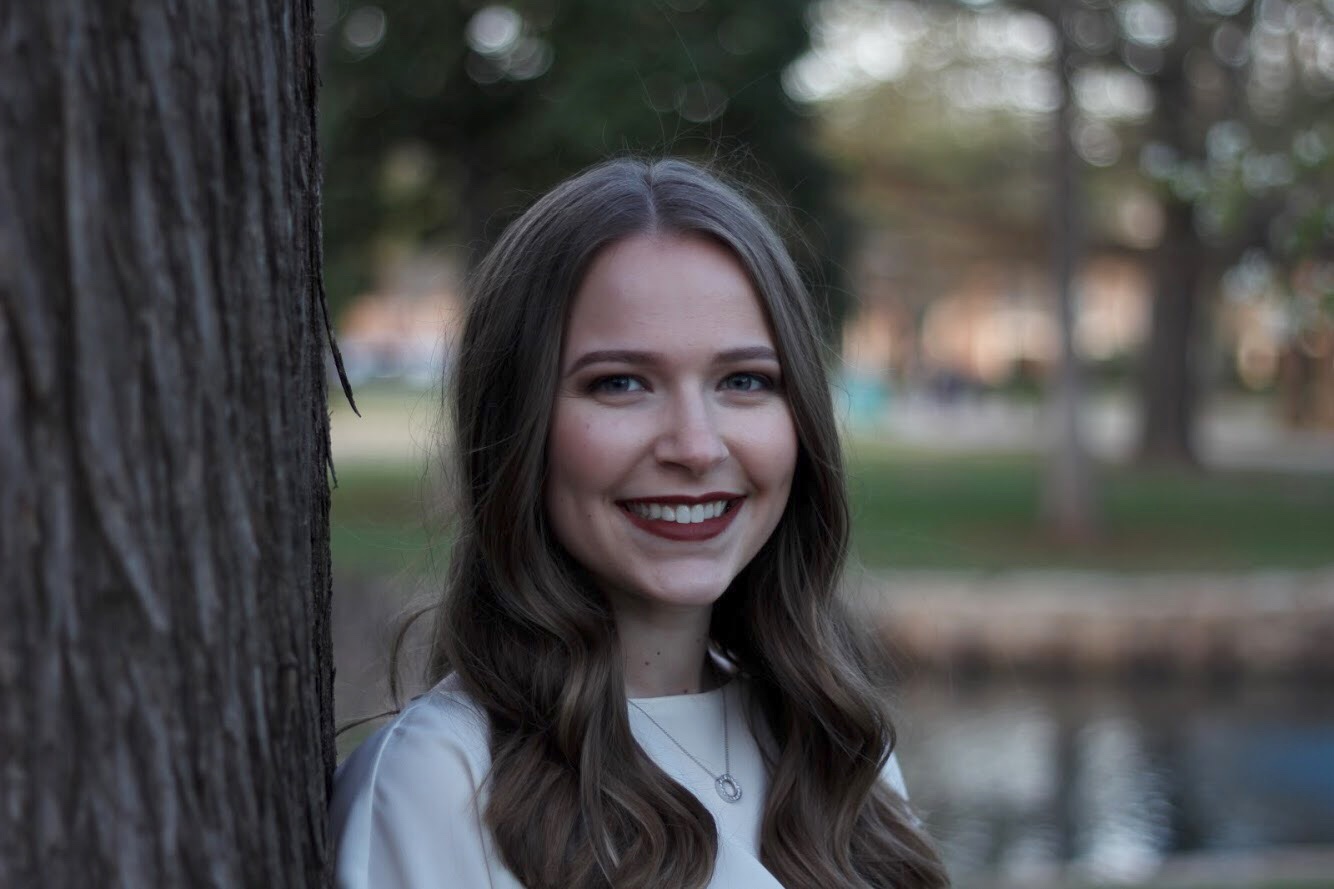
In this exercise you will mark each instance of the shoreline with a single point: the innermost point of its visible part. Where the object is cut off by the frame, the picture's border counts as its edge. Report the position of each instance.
(1292, 867)
(1057, 624)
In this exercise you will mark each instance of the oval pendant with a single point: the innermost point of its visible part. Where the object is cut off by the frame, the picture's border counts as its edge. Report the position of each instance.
(728, 788)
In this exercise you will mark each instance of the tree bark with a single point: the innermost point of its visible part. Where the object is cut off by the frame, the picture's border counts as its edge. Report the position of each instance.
(165, 671)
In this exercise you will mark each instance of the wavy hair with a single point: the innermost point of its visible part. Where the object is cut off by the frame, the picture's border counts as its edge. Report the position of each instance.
(573, 801)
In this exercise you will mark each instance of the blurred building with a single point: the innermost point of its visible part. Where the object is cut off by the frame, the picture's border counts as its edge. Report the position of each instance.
(992, 326)
(403, 330)
(995, 324)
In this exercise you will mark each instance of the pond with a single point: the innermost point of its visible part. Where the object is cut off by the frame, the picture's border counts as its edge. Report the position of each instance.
(1019, 779)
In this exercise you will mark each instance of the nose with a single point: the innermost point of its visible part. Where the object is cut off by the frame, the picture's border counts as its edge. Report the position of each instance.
(691, 438)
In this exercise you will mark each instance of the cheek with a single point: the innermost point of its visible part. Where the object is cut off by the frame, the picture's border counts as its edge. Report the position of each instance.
(584, 454)
(563, 448)
(567, 471)
(772, 450)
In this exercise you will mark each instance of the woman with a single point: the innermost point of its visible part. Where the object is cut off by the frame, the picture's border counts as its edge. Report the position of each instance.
(644, 677)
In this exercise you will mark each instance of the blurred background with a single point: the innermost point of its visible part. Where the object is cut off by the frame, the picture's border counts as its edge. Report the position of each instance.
(1077, 262)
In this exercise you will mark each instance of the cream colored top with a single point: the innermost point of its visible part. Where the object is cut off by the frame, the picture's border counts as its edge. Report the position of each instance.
(407, 803)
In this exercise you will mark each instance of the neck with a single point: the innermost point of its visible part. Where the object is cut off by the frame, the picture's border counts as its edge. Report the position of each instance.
(666, 653)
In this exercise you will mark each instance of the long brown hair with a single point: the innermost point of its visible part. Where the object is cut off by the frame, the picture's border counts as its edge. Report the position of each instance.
(573, 801)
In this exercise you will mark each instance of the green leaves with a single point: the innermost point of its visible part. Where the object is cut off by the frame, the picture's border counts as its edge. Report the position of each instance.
(491, 104)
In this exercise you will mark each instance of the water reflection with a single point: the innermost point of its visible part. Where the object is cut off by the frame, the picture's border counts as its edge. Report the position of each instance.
(1120, 807)
(1104, 783)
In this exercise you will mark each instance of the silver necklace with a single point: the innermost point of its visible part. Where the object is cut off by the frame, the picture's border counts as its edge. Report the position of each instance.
(727, 786)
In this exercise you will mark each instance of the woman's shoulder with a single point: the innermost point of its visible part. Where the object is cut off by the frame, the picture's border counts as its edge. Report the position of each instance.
(406, 804)
(440, 737)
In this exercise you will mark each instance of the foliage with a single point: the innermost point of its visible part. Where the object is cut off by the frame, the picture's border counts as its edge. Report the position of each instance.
(1221, 104)
(1203, 127)
(442, 119)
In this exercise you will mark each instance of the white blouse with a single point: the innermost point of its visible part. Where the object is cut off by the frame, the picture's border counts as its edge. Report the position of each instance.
(407, 804)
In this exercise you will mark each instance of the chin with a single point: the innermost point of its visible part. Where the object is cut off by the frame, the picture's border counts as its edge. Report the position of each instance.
(690, 593)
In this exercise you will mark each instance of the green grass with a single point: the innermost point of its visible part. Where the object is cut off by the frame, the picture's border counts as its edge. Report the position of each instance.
(914, 509)
(379, 520)
(918, 510)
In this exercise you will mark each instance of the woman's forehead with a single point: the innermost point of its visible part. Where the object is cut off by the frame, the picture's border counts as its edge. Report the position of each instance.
(656, 293)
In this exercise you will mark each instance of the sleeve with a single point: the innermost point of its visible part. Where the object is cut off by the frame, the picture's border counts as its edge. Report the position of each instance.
(406, 812)
(892, 775)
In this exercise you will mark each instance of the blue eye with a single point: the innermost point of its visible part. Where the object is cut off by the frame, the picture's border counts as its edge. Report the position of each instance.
(747, 382)
(616, 385)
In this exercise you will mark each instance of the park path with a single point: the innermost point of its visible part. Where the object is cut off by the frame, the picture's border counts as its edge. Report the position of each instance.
(1235, 433)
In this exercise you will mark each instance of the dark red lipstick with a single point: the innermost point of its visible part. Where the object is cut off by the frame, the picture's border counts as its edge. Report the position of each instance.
(691, 531)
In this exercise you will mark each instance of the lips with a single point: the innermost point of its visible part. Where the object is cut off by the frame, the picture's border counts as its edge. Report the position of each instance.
(652, 514)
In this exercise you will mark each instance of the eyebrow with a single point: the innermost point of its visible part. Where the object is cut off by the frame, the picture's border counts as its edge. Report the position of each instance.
(631, 356)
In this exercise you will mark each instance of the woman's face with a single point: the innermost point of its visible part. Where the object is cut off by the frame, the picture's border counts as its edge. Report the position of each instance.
(672, 447)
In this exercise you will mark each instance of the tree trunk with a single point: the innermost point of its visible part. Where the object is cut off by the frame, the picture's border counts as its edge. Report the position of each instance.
(1167, 373)
(1067, 492)
(1168, 396)
(165, 673)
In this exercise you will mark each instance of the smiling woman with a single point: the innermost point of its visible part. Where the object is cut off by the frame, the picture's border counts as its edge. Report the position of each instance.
(643, 675)
(670, 428)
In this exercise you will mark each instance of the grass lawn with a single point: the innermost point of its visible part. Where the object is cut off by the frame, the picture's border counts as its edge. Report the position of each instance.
(914, 509)
(379, 520)
(919, 510)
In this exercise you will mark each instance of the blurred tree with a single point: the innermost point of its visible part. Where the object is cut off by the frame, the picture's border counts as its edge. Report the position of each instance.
(999, 186)
(1203, 126)
(943, 189)
(1240, 147)
(1068, 501)
(165, 666)
(1236, 136)
(442, 120)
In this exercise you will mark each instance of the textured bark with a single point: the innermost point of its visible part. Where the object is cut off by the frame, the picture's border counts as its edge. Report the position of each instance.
(165, 677)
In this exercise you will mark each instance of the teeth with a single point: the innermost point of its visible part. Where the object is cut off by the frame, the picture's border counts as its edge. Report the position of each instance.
(682, 515)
